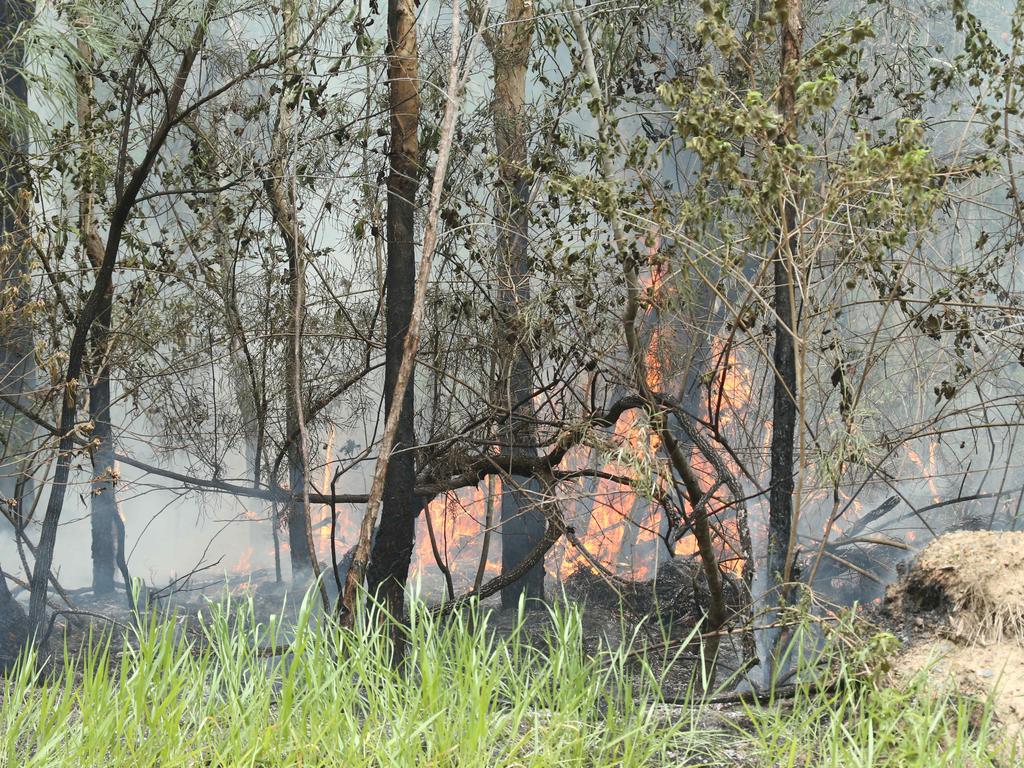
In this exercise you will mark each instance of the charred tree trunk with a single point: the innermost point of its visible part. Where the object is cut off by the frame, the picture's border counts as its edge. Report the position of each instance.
(392, 550)
(14, 629)
(522, 521)
(16, 345)
(297, 513)
(104, 502)
(785, 399)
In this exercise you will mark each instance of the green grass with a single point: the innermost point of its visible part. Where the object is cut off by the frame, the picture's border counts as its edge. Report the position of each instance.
(463, 698)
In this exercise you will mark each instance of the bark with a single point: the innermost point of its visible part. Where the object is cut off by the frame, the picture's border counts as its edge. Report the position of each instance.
(522, 522)
(785, 409)
(16, 343)
(123, 208)
(104, 501)
(14, 629)
(392, 551)
(485, 546)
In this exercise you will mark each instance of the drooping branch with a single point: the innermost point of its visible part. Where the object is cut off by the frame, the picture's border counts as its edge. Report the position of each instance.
(553, 531)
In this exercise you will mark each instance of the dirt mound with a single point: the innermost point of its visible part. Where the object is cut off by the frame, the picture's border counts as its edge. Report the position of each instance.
(975, 580)
(962, 606)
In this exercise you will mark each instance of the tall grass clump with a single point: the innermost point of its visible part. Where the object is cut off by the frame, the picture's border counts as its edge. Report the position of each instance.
(462, 696)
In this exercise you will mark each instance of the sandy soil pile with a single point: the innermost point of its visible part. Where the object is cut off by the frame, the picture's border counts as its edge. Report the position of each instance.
(962, 604)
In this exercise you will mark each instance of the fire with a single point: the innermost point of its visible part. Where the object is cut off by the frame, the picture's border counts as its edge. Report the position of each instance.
(928, 471)
(620, 521)
(733, 386)
(243, 565)
(323, 532)
(459, 520)
(617, 522)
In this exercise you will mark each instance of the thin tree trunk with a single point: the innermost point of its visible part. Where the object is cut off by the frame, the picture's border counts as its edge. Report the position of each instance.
(784, 400)
(303, 555)
(392, 549)
(13, 627)
(522, 522)
(281, 191)
(485, 547)
(104, 502)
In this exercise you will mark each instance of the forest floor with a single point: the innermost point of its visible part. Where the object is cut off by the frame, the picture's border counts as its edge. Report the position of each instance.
(552, 688)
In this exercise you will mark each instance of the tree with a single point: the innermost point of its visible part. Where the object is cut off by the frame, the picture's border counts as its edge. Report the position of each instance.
(392, 547)
(522, 522)
(786, 398)
(16, 342)
(105, 518)
(128, 186)
(281, 187)
(394, 543)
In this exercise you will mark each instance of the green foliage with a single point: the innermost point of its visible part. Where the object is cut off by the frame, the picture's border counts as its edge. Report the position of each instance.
(464, 695)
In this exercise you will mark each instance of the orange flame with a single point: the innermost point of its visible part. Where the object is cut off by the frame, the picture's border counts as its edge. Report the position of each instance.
(324, 530)
(244, 563)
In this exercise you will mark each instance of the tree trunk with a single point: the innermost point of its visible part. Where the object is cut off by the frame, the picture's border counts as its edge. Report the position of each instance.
(297, 513)
(785, 394)
(522, 522)
(280, 186)
(392, 550)
(14, 629)
(104, 502)
(16, 345)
